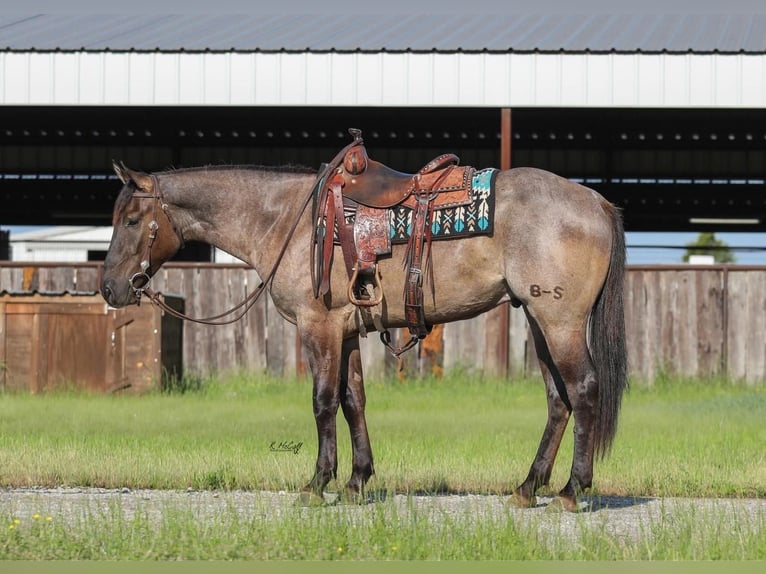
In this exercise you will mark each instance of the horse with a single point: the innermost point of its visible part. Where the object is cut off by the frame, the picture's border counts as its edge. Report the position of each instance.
(557, 251)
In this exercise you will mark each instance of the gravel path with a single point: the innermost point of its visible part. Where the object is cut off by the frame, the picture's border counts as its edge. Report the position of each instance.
(618, 517)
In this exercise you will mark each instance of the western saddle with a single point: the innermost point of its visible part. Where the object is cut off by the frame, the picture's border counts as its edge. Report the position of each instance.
(366, 189)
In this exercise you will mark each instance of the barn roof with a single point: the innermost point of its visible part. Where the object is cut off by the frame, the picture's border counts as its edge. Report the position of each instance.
(444, 33)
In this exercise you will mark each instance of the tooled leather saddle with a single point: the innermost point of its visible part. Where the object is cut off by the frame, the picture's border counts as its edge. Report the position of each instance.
(353, 194)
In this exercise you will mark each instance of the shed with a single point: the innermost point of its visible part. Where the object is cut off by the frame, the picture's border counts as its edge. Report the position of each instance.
(75, 340)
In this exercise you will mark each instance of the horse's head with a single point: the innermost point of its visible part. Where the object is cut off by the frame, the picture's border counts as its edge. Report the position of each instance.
(143, 237)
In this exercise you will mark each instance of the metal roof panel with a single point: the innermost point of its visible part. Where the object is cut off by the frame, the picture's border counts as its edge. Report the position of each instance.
(600, 32)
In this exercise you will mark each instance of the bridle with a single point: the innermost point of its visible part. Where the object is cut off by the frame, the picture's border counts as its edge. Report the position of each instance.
(139, 281)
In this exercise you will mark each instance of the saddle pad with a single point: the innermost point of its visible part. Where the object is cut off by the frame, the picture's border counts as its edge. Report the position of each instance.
(475, 218)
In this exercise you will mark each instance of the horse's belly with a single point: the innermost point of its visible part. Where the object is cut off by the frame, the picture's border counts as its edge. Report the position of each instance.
(467, 280)
(445, 305)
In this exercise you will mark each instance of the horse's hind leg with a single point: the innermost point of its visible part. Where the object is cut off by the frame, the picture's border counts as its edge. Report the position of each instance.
(558, 416)
(353, 401)
(572, 387)
(583, 391)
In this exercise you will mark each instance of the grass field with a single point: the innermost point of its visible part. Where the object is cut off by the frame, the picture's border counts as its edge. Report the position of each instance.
(680, 438)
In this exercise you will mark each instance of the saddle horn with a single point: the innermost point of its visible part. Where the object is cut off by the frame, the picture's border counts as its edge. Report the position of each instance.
(355, 161)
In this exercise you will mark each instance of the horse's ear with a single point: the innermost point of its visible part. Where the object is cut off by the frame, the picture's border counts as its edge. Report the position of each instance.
(121, 171)
(141, 180)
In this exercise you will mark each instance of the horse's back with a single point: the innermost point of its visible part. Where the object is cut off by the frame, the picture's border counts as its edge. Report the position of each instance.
(535, 200)
(537, 187)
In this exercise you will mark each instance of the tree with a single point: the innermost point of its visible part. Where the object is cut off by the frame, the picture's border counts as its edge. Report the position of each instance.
(708, 244)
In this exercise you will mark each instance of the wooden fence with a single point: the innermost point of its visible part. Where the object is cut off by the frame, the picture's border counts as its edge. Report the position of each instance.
(706, 321)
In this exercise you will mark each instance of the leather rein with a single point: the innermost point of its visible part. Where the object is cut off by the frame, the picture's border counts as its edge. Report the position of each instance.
(139, 281)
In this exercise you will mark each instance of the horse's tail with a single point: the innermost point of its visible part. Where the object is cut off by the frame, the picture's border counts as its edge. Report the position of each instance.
(607, 339)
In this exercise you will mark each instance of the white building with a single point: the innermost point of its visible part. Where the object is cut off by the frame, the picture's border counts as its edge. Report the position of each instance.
(68, 244)
(72, 245)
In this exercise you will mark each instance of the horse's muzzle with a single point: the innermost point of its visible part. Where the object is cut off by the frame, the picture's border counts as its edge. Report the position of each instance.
(115, 296)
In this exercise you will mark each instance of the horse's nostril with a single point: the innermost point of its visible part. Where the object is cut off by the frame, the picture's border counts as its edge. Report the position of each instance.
(106, 292)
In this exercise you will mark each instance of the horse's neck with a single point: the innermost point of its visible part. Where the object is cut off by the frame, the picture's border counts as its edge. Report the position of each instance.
(243, 212)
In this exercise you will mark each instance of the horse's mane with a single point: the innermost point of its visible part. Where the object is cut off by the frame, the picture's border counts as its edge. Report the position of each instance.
(127, 191)
(289, 168)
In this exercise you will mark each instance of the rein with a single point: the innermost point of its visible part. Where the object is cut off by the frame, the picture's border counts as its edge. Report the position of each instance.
(155, 297)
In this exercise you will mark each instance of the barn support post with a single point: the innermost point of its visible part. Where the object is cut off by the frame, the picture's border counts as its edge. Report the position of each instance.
(498, 320)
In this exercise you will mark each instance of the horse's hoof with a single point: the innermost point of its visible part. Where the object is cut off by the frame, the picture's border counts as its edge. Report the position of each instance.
(521, 501)
(351, 497)
(563, 504)
(310, 499)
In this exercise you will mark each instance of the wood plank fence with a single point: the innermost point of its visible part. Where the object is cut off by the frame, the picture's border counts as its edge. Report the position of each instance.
(705, 321)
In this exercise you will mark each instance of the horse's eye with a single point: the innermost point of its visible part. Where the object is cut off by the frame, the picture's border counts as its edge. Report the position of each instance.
(131, 223)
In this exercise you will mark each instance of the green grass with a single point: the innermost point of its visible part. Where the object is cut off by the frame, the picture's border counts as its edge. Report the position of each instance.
(453, 435)
(679, 438)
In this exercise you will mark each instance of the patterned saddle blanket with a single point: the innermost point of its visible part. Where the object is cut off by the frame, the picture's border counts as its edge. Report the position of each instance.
(474, 218)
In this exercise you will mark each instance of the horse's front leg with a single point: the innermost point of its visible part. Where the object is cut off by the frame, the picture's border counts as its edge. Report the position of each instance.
(353, 401)
(322, 345)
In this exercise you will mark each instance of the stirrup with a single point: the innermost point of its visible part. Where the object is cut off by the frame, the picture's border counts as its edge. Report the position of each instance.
(376, 285)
